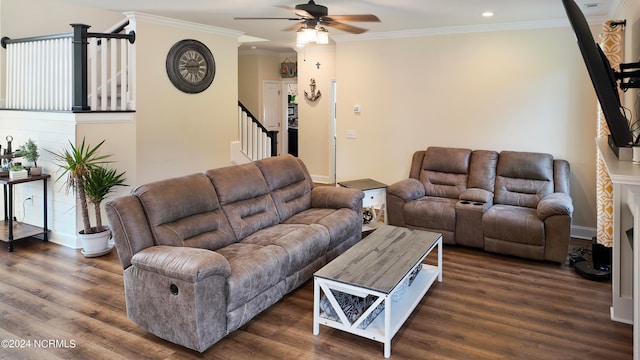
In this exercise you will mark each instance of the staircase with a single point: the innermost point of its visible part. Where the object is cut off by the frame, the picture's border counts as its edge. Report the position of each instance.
(255, 141)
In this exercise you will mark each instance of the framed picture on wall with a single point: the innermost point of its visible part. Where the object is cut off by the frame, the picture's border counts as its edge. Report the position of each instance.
(288, 69)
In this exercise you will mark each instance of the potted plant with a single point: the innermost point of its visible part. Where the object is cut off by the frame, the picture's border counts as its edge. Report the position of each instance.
(99, 183)
(84, 174)
(29, 151)
(17, 171)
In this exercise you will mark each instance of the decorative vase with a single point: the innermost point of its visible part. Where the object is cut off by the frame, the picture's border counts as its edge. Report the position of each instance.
(95, 244)
(35, 171)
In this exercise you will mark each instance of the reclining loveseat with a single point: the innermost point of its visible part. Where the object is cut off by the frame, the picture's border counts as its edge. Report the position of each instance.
(514, 203)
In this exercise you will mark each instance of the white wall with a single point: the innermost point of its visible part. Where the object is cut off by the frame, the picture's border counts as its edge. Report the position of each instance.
(179, 133)
(524, 90)
(314, 116)
(49, 131)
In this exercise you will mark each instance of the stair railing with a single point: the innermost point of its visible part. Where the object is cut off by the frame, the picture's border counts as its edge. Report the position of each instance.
(59, 72)
(256, 142)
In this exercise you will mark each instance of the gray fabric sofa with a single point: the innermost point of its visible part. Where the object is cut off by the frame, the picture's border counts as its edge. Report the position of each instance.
(204, 253)
(514, 203)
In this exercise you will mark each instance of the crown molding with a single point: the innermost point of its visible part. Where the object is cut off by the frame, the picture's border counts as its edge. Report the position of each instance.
(266, 52)
(134, 17)
(451, 30)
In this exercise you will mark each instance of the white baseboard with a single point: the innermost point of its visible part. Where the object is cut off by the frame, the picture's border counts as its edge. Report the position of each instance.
(583, 232)
(320, 179)
(66, 240)
(237, 156)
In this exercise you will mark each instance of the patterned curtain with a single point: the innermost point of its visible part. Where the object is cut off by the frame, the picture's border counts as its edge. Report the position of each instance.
(612, 42)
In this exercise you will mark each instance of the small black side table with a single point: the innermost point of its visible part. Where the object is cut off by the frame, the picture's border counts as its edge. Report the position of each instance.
(10, 233)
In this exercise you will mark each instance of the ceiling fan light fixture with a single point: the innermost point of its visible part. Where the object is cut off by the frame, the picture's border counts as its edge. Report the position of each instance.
(311, 16)
(301, 39)
(310, 35)
(306, 35)
(322, 36)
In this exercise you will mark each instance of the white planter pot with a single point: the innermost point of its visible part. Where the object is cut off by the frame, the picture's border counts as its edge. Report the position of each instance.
(95, 244)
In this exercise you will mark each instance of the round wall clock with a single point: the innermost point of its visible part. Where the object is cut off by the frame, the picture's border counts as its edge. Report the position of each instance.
(190, 66)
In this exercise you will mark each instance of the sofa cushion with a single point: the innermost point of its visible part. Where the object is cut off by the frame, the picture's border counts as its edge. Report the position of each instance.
(289, 183)
(514, 224)
(185, 211)
(445, 171)
(338, 222)
(522, 178)
(482, 169)
(244, 196)
(254, 269)
(435, 213)
(302, 243)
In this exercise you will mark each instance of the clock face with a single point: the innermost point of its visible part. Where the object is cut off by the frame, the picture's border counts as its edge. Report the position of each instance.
(190, 66)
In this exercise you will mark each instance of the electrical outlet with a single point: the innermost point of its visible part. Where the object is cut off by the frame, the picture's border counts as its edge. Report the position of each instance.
(352, 134)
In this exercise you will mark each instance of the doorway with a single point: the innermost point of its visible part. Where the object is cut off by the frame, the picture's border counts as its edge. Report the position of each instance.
(289, 91)
(332, 131)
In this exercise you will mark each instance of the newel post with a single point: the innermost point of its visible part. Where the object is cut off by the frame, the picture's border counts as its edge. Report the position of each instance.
(80, 65)
(274, 142)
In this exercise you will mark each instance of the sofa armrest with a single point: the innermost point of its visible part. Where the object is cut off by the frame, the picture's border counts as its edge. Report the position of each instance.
(336, 197)
(555, 204)
(184, 263)
(407, 189)
(477, 195)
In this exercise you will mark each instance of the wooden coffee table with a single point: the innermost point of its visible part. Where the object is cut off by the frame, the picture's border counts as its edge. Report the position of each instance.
(386, 269)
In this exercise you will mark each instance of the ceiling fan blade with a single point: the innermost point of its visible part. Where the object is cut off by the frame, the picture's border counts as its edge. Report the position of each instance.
(353, 18)
(345, 27)
(265, 18)
(301, 13)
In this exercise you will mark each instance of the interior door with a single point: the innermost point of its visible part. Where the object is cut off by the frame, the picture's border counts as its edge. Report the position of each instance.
(271, 106)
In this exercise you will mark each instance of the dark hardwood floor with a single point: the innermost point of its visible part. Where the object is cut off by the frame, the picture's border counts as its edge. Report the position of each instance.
(57, 304)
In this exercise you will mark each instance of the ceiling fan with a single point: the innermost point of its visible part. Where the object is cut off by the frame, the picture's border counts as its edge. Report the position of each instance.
(312, 15)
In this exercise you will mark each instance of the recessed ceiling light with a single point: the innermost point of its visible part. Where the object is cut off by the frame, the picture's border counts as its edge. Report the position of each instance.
(487, 14)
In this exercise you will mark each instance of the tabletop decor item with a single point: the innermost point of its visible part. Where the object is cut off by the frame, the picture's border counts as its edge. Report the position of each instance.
(29, 152)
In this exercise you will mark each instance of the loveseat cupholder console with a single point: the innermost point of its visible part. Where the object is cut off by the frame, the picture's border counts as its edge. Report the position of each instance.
(475, 203)
(468, 221)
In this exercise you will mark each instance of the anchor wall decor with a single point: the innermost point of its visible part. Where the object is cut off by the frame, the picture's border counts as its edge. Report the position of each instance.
(314, 95)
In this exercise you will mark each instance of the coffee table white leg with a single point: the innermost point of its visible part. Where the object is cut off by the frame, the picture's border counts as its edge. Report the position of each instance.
(387, 326)
(440, 260)
(316, 307)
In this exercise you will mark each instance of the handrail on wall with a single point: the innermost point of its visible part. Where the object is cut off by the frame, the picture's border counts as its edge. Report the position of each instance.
(272, 135)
